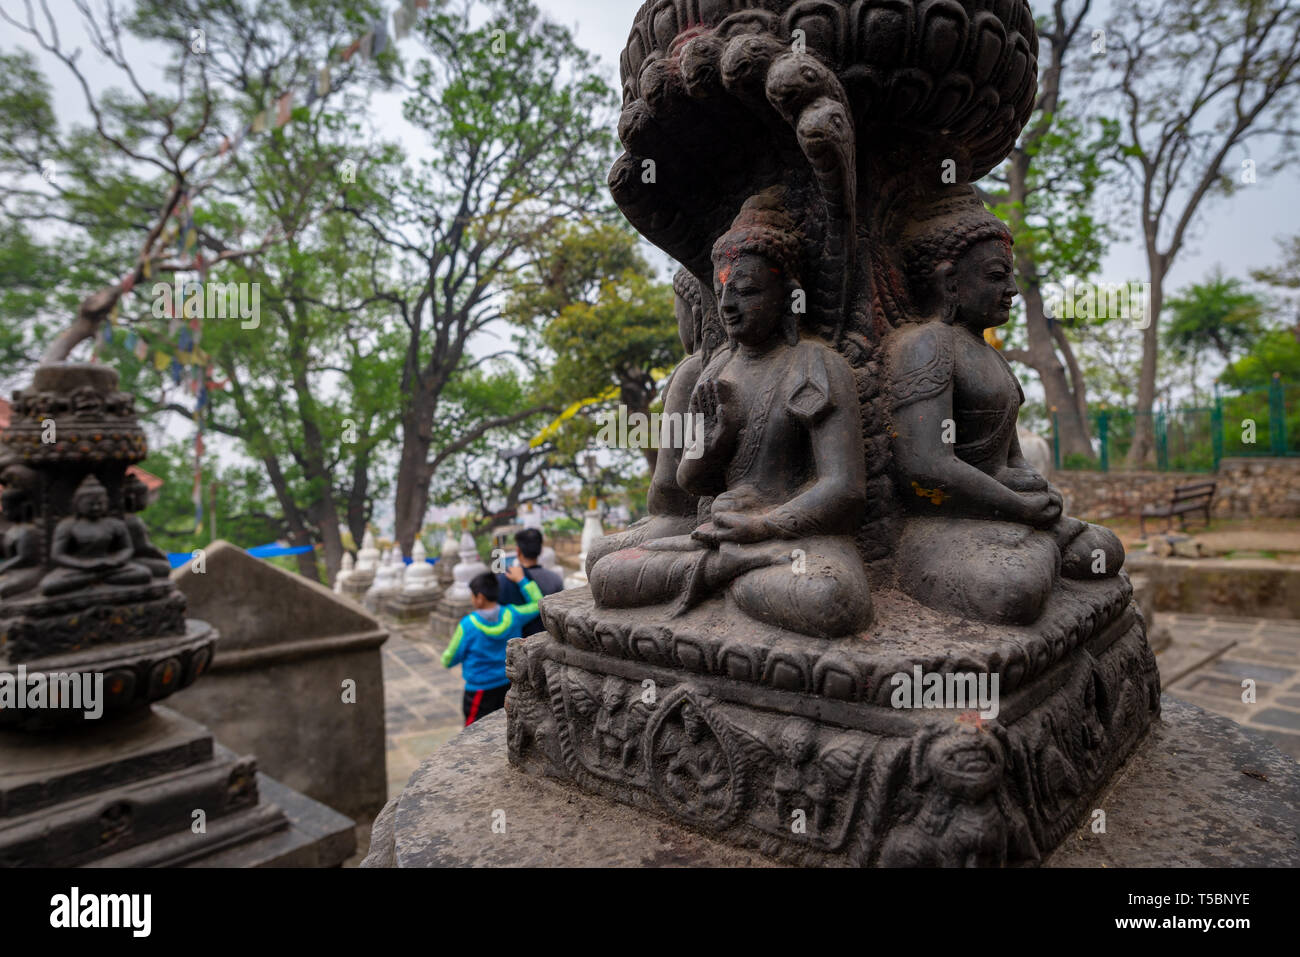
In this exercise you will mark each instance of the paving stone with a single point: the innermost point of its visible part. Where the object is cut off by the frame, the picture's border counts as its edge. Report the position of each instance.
(1213, 687)
(1248, 669)
(1284, 740)
(1279, 717)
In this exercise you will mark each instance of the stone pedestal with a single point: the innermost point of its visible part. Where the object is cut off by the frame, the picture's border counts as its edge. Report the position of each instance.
(742, 732)
(1201, 791)
(125, 794)
(93, 634)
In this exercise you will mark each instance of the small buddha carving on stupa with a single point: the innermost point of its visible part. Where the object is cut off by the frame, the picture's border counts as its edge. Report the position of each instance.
(92, 547)
(135, 498)
(780, 453)
(986, 537)
(20, 547)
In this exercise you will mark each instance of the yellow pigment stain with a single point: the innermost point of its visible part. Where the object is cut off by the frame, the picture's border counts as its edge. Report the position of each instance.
(935, 495)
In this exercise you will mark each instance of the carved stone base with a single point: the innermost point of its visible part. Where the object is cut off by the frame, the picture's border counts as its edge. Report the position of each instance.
(133, 673)
(406, 607)
(1199, 791)
(792, 746)
(356, 586)
(34, 627)
(125, 794)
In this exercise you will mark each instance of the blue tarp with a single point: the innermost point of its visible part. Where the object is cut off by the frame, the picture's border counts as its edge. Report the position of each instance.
(181, 559)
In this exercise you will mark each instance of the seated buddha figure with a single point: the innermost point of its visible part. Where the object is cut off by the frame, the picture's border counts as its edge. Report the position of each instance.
(986, 537)
(92, 547)
(673, 510)
(20, 545)
(780, 453)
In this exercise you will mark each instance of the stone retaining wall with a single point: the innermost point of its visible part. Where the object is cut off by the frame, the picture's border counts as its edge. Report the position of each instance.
(1248, 488)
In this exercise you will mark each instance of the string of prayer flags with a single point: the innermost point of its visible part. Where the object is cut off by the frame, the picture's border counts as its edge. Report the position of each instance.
(141, 350)
(367, 45)
(401, 22)
(323, 81)
(351, 50)
(161, 360)
(259, 123)
(381, 36)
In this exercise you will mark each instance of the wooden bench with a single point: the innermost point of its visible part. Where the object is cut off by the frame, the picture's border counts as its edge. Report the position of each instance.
(1186, 499)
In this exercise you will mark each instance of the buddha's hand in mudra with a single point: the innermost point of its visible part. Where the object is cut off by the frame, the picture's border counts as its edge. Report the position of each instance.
(1023, 480)
(738, 515)
(1041, 509)
(738, 527)
(711, 399)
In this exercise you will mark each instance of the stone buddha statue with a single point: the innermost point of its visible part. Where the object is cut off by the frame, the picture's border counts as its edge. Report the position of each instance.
(20, 546)
(673, 510)
(92, 547)
(780, 453)
(135, 498)
(955, 403)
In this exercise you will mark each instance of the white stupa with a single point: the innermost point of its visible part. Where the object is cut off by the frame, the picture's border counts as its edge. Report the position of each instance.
(388, 580)
(591, 530)
(345, 572)
(469, 566)
(419, 579)
(449, 556)
(368, 557)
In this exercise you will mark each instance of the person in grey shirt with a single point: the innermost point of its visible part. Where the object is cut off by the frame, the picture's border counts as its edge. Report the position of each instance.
(529, 544)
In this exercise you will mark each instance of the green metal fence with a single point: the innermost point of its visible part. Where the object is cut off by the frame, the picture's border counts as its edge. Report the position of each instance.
(1262, 422)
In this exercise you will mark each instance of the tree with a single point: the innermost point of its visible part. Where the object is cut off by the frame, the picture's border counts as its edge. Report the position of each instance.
(118, 184)
(1198, 80)
(518, 120)
(1218, 314)
(589, 303)
(1045, 192)
(306, 385)
(1285, 277)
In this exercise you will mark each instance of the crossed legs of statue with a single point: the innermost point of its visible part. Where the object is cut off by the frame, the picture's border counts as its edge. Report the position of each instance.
(815, 586)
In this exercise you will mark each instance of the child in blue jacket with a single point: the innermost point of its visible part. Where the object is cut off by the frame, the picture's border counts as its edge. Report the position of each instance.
(479, 644)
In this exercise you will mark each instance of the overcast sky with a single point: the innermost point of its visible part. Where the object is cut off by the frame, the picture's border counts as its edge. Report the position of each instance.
(1239, 234)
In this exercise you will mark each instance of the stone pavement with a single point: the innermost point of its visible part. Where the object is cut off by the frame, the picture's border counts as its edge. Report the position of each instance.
(1210, 658)
(421, 700)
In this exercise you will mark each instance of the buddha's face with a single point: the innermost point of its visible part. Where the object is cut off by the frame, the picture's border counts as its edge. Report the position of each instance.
(751, 299)
(986, 285)
(92, 504)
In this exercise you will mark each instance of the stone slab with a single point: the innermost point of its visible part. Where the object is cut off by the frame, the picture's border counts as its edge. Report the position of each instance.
(1201, 792)
(1259, 588)
(317, 835)
(289, 648)
(41, 770)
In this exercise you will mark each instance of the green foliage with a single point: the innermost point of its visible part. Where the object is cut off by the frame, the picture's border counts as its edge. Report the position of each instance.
(245, 512)
(1055, 227)
(1275, 351)
(1219, 314)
